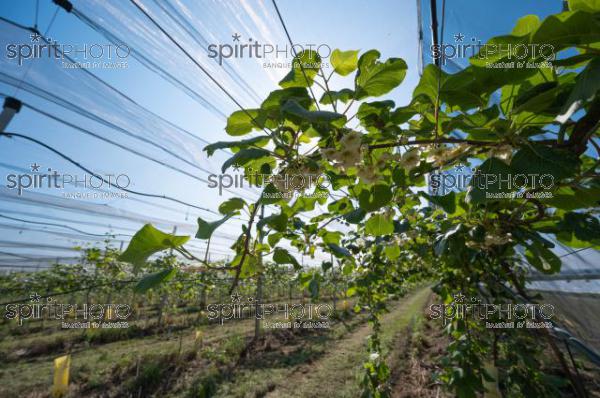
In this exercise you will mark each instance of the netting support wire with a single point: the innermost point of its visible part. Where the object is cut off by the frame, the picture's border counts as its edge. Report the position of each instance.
(78, 165)
(213, 79)
(11, 107)
(289, 37)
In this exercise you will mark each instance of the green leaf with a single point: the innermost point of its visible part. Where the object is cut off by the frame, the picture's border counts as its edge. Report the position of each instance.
(298, 114)
(392, 252)
(249, 267)
(282, 256)
(344, 95)
(273, 239)
(338, 251)
(152, 280)
(374, 198)
(583, 227)
(542, 160)
(244, 121)
(304, 69)
(586, 86)
(278, 222)
(235, 146)
(344, 62)
(375, 78)
(455, 90)
(206, 229)
(270, 195)
(568, 29)
(572, 198)
(279, 97)
(542, 258)
(590, 6)
(446, 202)
(148, 241)
(231, 205)
(379, 225)
(489, 182)
(313, 288)
(525, 25)
(355, 216)
(245, 156)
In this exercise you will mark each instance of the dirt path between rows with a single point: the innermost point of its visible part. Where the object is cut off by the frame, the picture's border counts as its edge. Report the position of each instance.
(337, 373)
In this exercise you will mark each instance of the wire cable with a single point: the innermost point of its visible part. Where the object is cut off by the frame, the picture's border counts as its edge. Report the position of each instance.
(78, 165)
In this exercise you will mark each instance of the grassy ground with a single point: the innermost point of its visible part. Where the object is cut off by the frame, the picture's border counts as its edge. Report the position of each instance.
(283, 363)
(331, 367)
(98, 363)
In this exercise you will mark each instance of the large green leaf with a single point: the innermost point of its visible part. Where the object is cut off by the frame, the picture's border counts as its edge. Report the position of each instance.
(454, 90)
(152, 280)
(282, 256)
(231, 205)
(206, 229)
(446, 202)
(525, 25)
(392, 252)
(572, 198)
(586, 87)
(244, 121)
(344, 62)
(489, 182)
(542, 160)
(375, 197)
(278, 222)
(338, 250)
(590, 6)
(583, 227)
(245, 156)
(568, 29)
(542, 258)
(379, 225)
(148, 241)
(375, 78)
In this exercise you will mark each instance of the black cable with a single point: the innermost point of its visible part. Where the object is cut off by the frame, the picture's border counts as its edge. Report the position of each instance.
(295, 54)
(150, 195)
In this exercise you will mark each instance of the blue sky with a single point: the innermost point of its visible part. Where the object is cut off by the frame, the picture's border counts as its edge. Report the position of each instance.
(388, 25)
